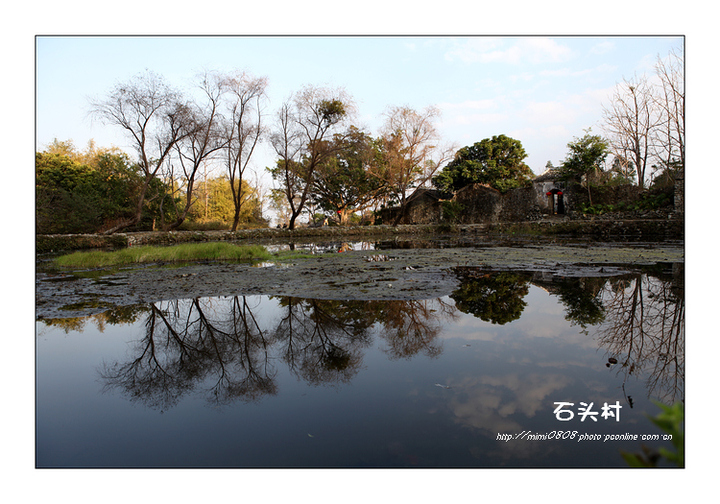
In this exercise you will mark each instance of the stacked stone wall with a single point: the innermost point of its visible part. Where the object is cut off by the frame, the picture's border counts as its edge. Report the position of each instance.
(479, 204)
(679, 196)
(519, 204)
(426, 211)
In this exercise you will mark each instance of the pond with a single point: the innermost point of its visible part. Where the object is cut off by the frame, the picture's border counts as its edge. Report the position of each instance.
(513, 369)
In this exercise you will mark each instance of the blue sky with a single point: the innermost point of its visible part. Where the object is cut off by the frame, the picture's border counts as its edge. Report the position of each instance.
(542, 91)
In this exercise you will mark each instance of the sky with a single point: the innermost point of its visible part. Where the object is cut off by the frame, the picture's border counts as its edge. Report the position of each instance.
(542, 91)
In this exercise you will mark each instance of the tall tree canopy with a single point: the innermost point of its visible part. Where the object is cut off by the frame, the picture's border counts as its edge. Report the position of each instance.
(74, 197)
(155, 117)
(302, 140)
(497, 162)
(410, 152)
(585, 158)
(243, 130)
(346, 183)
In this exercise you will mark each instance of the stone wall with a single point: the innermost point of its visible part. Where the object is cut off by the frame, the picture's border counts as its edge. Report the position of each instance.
(607, 195)
(423, 211)
(479, 204)
(679, 193)
(475, 204)
(423, 207)
(520, 205)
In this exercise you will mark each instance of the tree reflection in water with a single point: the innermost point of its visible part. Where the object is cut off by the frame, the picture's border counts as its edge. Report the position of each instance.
(638, 319)
(321, 340)
(412, 327)
(644, 330)
(188, 343)
(491, 296)
(185, 345)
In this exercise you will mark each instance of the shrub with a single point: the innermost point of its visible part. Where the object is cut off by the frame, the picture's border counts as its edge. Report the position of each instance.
(451, 210)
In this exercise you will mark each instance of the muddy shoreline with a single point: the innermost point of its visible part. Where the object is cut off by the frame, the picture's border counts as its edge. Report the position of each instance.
(605, 228)
(391, 269)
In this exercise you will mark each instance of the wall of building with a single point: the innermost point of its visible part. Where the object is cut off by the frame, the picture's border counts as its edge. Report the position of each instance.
(679, 195)
(521, 204)
(479, 204)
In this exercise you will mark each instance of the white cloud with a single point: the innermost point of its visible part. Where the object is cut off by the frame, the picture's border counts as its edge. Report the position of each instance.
(410, 46)
(533, 50)
(543, 50)
(603, 47)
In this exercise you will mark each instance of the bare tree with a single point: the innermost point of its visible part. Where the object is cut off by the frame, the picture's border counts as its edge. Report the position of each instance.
(670, 134)
(155, 117)
(644, 330)
(301, 138)
(203, 141)
(412, 154)
(243, 131)
(630, 121)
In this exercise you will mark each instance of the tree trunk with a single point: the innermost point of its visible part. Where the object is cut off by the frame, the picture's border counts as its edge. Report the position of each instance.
(188, 203)
(401, 214)
(125, 223)
(135, 219)
(291, 223)
(236, 218)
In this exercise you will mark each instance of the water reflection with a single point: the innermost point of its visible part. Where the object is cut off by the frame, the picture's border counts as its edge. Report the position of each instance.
(364, 383)
(185, 344)
(637, 320)
(220, 341)
(493, 297)
(644, 331)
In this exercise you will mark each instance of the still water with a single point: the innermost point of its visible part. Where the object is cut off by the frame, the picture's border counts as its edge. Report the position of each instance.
(470, 380)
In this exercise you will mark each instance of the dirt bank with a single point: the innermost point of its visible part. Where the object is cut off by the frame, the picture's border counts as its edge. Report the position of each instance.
(389, 272)
(595, 228)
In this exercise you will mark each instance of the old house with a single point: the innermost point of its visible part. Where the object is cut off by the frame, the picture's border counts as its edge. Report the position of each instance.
(479, 203)
(422, 207)
(550, 192)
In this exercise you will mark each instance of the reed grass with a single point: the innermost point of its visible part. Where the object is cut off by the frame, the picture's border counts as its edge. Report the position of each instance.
(176, 253)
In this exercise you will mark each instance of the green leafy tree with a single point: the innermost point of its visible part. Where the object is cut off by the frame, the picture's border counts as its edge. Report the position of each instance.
(63, 195)
(496, 298)
(585, 160)
(497, 162)
(302, 141)
(215, 204)
(345, 182)
(73, 197)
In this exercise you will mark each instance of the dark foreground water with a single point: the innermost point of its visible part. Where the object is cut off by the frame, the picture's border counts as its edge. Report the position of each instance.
(511, 370)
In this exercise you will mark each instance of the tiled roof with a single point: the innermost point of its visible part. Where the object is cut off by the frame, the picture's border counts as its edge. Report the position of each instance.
(548, 175)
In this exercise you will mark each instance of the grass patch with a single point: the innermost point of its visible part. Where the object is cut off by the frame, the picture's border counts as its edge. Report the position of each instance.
(177, 253)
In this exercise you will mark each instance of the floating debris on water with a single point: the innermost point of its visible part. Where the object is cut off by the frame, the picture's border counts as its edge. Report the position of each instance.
(377, 258)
